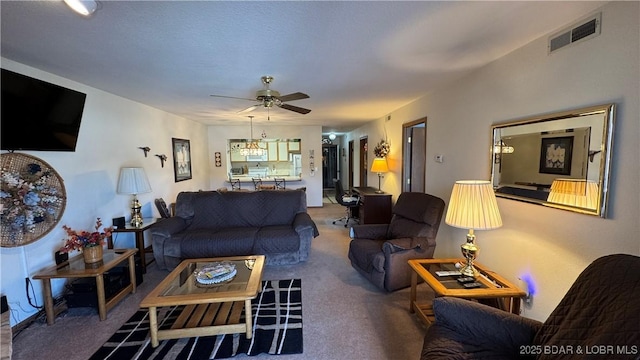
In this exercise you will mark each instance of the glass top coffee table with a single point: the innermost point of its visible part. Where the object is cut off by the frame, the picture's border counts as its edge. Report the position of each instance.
(209, 309)
(491, 286)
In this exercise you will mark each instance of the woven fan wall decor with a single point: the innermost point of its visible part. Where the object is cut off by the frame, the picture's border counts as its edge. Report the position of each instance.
(33, 199)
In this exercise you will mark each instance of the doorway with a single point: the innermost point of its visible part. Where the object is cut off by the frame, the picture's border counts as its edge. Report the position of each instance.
(363, 162)
(350, 166)
(414, 154)
(329, 165)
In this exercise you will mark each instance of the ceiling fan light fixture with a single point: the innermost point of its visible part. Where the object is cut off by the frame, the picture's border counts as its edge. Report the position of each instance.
(83, 7)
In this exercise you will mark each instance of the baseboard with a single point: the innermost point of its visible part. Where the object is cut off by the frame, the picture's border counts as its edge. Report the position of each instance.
(58, 308)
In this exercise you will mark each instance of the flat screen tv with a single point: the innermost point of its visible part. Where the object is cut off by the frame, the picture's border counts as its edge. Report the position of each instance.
(37, 115)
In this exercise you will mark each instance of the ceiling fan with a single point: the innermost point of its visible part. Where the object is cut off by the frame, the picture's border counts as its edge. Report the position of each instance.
(268, 98)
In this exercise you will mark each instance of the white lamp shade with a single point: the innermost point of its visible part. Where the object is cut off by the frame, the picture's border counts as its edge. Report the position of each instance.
(574, 192)
(83, 7)
(133, 181)
(473, 205)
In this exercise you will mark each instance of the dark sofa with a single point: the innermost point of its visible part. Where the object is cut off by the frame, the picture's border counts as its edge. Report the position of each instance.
(598, 318)
(214, 224)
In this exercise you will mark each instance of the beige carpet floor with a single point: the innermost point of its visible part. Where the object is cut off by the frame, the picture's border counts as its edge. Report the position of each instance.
(344, 316)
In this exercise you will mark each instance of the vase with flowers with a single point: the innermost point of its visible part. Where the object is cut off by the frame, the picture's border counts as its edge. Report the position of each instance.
(381, 150)
(90, 242)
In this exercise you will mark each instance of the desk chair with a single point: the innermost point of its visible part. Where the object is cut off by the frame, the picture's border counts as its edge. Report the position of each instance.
(347, 200)
(161, 205)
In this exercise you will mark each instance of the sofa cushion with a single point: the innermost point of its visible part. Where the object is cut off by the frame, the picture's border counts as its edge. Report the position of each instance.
(213, 209)
(216, 242)
(276, 239)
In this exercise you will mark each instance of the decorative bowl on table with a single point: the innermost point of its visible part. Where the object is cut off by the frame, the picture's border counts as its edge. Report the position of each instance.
(216, 273)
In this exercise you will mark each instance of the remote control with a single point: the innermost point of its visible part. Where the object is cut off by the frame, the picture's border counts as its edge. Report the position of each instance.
(448, 273)
(472, 285)
(466, 279)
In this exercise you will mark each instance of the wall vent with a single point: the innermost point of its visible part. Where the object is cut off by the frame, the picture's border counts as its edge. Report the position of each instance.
(582, 31)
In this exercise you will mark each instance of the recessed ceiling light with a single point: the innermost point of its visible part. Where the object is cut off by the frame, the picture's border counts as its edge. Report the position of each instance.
(83, 7)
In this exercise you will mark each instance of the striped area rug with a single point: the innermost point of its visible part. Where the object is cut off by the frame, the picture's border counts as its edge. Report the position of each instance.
(277, 315)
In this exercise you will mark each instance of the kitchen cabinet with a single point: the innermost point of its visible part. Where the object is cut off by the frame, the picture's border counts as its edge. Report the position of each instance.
(294, 146)
(283, 151)
(272, 151)
(235, 151)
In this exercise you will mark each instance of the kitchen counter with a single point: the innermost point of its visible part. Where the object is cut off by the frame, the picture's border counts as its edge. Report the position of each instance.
(265, 179)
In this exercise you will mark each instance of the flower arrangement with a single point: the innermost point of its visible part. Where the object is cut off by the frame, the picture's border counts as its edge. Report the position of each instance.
(26, 198)
(84, 239)
(382, 149)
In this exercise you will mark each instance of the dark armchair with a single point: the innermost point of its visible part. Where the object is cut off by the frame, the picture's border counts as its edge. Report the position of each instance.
(380, 251)
(601, 309)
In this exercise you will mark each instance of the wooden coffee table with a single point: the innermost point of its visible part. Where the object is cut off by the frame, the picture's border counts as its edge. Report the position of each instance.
(493, 286)
(76, 268)
(211, 309)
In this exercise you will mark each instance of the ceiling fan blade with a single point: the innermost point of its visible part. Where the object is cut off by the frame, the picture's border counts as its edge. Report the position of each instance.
(249, 109)
(232, 97)
(294, 96)
(295, 108)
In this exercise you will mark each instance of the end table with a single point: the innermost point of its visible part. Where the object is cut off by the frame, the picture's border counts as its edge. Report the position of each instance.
(76, 268)
(139, 233)
(493, 286)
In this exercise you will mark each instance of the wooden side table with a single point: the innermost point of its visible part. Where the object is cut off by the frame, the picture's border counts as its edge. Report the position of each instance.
(139, 233)
(76, 268)
(493, 286)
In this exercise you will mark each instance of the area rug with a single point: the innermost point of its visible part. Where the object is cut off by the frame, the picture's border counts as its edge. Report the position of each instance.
(277, 315)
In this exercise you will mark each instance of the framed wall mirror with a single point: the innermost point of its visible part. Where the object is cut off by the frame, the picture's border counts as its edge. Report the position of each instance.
(560, 160)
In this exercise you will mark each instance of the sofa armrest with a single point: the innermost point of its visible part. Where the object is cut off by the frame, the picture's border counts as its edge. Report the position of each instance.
(395, 245)
(303, 222)
(168, 226)
(485, 326)
(369, 231)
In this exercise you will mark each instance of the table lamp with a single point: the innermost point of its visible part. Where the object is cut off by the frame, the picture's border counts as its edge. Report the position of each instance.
(472, 206)
(574, 192)
(133, 181)
(379, 166)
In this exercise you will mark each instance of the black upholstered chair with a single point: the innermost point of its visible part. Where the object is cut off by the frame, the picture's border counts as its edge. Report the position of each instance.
(601, 309)
(161, 205)
(347, 200)
(380, 251)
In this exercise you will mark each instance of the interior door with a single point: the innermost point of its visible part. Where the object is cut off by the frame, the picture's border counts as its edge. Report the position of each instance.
(350, 170)
(363, 162)
(414, 155)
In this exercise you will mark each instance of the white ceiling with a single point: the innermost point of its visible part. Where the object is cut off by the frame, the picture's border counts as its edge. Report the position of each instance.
(358, 61)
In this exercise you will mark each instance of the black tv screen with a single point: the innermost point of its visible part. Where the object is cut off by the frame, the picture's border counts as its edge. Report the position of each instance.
(37, 115)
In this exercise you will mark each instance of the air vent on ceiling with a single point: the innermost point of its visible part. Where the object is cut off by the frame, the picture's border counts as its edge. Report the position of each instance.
(583, 30)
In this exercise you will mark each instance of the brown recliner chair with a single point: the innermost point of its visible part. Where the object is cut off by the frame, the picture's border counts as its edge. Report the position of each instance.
(380, 251)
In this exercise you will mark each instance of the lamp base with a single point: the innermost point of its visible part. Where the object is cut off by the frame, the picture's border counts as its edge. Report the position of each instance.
(470, 252)
(136, 217)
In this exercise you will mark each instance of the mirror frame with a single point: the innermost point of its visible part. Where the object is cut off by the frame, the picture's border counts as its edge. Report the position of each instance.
(608, 113)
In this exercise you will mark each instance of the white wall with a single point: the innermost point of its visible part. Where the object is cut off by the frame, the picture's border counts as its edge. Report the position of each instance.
(552, 245)
(310, 140)
(111, 131)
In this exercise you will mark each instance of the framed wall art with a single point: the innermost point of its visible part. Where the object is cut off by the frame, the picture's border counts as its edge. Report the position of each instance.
(555, 155)
(181, 159)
